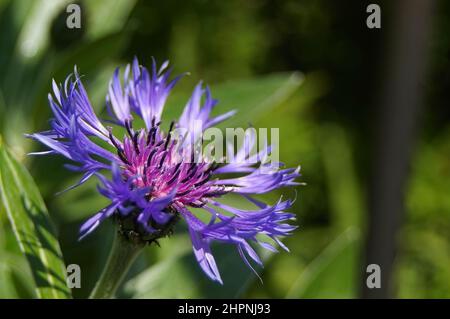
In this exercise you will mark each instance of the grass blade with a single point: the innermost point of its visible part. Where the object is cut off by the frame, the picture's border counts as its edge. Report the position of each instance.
(30, 222)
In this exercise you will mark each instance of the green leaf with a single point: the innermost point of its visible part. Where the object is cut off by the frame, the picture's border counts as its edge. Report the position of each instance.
(332, 274)
(250, 97)
(15, 276)
(116, 12)
(34, 36)
(7, 289)
(31, 224)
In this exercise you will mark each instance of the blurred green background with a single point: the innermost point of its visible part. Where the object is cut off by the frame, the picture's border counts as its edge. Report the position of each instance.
(307, 67)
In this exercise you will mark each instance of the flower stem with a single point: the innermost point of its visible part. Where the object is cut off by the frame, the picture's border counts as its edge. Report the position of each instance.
(122, 255)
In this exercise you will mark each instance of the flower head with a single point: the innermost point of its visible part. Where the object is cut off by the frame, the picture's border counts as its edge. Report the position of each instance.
(156, 178)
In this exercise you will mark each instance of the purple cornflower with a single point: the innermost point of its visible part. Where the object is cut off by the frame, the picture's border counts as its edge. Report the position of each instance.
(157, 178)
